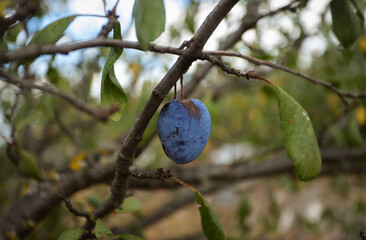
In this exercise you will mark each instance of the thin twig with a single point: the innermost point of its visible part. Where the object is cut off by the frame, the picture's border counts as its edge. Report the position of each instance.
(73, 210)
(12, 116)
(112, 20)
(98, 113)
(181, 87)
(159, 174)
(340, 93)
(36, 51)
(225, 67)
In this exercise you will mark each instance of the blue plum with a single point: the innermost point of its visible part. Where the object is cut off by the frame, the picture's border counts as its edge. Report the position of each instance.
(184, 127)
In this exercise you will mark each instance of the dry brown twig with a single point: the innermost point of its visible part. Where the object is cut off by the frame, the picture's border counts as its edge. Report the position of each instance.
(99, 113)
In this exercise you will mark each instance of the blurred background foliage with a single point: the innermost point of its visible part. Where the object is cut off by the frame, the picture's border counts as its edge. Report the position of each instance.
(245, 127)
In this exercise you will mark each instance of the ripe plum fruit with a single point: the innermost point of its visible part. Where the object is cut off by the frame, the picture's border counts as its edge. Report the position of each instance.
(184, 126)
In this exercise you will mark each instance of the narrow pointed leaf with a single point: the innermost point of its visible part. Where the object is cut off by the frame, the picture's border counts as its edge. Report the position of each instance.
(71, 234)
(149, 16)
(29, 166)
(52, 32)
(101, 229)
(345, 25)
(111, 91)
(210, 223)
(299, 138)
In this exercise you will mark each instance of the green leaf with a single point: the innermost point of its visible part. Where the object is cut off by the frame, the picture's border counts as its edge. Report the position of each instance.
(131, 205)
(149, 16)
(353, 133)
(94, 201)
(101, 229)
(345, 26)
(29, 166)
(3, 45)
(299, 138)
(129, 237)
(244, 212)
(14, 31)
(360, 6)
(111, 91)
(56, 79)
(52, 32)
(210, 223)
(71, 234)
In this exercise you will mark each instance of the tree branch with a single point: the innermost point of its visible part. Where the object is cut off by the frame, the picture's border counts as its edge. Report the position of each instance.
(37, 50)
(45, 196)
(26, 9)
(126, 154)
(340, 93)
(73, 210)
(98, 113)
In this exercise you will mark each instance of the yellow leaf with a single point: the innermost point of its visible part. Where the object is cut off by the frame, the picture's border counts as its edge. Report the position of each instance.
(25, 190)
(77, 162)
(333, 101)
(362, 43)
(53, 175)
(361, 115)
(11, 235)
(135, 69)
(3, 6)
(104, 152)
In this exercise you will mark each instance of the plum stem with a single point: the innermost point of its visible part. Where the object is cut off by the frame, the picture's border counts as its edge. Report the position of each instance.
(183, 183)
(181, 87)
(175, 90)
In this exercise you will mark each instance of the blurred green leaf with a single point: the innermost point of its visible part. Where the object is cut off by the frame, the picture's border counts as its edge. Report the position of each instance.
(48, 104)
(299, 138)
(56, 79)
(353, 133)
(129, 237)
(3, 45)
(52, 32)
(346, 27)
(210, 223)
(149, 16)
(360, 6)
(94, 201)
(101, 229)
(130, 205)
(29, 166)
(13, 32)
(71, 234)
(111, 91)
(244, 212)
(25, 114)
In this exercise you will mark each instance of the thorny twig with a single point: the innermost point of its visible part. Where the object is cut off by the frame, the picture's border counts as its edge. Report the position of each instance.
(342, 94)
(225, 67)
(30, 52)
(159, 174)
(112, 20)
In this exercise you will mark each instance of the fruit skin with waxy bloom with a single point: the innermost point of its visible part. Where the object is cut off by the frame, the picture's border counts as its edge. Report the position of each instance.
(184, 127)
